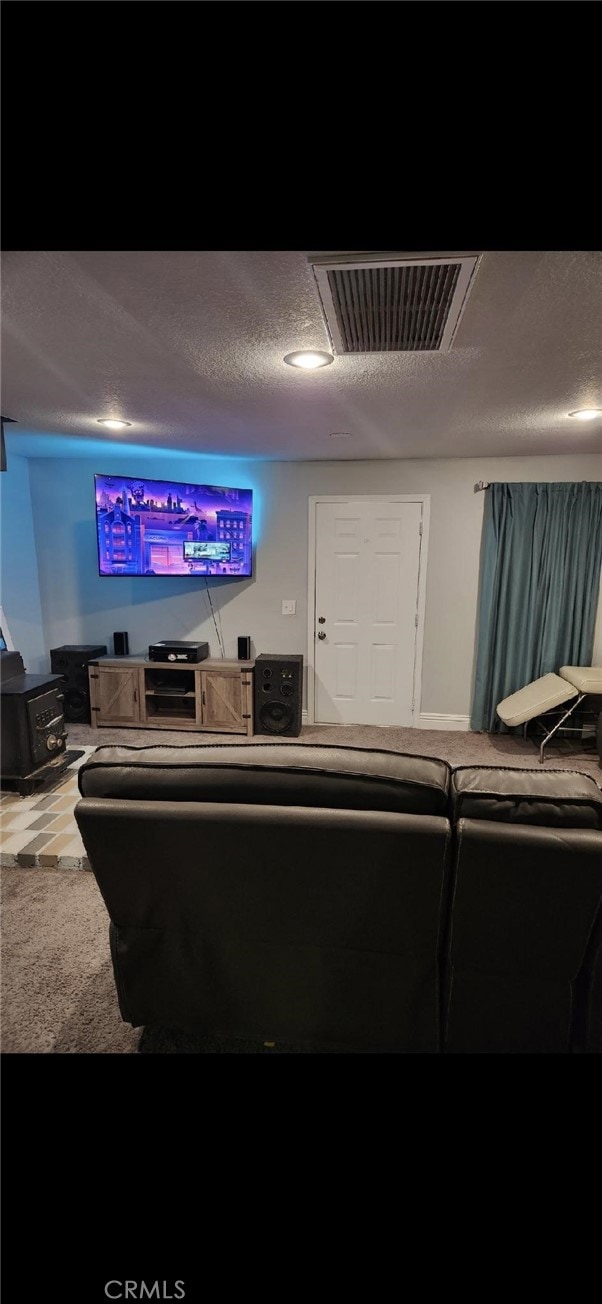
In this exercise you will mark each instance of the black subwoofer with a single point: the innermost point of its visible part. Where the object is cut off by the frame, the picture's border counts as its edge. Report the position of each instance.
(71, 661)
(278, 694)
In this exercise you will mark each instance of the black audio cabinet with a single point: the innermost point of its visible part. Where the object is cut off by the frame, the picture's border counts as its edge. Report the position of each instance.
(278, 694)
(71, 661)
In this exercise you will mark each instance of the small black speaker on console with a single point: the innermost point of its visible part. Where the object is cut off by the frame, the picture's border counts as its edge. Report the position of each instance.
(277, 694)
(121, 644)
(244, 648)
(71, 661)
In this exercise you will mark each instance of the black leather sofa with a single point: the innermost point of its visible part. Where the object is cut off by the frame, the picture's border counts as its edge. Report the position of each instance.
(349, 898)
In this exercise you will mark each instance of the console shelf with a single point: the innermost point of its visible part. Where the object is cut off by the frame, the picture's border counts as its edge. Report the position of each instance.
(133, 692)
(166, 692)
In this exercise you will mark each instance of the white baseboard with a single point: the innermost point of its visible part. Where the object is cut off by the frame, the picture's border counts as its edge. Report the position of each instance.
(430, 720)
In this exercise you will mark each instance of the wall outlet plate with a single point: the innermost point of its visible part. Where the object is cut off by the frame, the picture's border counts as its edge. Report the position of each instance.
(289, 606)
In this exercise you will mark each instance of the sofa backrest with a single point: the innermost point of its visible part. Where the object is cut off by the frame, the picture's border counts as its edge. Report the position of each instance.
(523, 962)
(273, 891)
(551, 798)
(279, 774)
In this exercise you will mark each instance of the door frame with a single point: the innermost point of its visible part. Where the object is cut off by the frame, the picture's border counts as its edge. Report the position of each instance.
(425, 502)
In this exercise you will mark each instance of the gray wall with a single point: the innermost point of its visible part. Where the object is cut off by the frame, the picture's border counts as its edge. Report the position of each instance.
(80, 607)
(19, 591)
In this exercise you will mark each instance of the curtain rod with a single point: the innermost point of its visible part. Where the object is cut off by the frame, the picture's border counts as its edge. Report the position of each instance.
(486, 484)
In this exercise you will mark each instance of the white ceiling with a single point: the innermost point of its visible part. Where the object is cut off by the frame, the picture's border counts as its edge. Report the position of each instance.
(188, 347)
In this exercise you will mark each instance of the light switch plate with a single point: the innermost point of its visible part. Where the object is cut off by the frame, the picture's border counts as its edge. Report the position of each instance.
(289, 606)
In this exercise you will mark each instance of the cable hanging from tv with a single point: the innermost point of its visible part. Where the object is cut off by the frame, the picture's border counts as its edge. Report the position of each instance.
(218, 635)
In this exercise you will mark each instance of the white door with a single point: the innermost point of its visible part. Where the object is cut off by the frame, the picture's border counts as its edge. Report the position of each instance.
(367, 572)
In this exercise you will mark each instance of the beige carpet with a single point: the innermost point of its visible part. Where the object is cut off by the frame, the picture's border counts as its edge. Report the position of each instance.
(58, 994)
(457, 748)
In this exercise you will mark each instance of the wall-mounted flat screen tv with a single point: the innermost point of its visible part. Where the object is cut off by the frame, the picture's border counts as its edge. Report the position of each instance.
(164, 527)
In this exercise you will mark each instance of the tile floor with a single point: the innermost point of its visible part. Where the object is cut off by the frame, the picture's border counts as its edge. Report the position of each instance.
(40, 831)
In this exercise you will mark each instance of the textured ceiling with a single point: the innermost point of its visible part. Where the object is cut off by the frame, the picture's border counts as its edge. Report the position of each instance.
(188, 347)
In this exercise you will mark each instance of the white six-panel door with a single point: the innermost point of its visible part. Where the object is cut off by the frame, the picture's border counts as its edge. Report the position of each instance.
(367, 570)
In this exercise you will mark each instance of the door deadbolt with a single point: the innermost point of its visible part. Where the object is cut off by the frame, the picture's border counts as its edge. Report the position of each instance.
(321, 620)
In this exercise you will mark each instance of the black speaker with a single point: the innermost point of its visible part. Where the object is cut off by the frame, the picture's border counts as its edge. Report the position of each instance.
(244, 648)
(277, 694)
(121, 644)
(71, 661)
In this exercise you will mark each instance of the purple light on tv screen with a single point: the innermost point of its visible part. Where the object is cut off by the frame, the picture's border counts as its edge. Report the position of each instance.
(143, 525)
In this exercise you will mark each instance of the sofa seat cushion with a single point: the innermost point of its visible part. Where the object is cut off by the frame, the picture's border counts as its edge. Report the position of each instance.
(557, 798)
(285, 774)
(535, 698)
(586, 679)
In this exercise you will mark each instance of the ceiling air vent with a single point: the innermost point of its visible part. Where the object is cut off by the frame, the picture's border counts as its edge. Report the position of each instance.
(394, 304)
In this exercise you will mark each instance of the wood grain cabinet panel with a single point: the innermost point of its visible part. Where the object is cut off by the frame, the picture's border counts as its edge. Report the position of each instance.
(114, 695)
(223, 702)
(214, 696)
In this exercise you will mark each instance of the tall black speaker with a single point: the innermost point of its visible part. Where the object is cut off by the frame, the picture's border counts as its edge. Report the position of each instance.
(71, 661)
(278, 694)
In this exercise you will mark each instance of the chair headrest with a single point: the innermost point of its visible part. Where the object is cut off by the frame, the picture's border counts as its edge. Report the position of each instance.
(556, 798)
(288, 774)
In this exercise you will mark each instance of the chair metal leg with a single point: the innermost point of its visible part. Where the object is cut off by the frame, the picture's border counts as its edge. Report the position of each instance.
(574, 704)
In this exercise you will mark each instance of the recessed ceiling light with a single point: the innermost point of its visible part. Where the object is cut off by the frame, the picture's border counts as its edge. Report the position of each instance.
(309, 360)
(340, 434)
(586, 414)
(113, 425)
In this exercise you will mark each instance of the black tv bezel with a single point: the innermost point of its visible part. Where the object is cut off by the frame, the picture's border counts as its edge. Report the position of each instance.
(110, 575)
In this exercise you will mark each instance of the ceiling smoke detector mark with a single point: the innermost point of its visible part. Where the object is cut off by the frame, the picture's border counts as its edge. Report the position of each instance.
(394, 304)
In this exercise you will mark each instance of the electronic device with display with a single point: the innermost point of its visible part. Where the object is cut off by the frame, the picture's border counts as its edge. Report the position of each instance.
(207, 552)
(170, 649)
(164, 527)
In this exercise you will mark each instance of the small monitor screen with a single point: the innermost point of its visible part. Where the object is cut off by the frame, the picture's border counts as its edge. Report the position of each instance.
(207, 551)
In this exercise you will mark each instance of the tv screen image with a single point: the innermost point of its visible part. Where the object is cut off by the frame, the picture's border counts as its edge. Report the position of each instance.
(202, 551)
(164, 527)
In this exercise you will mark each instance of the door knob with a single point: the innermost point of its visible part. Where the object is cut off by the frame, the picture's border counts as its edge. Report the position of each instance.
(321, 634)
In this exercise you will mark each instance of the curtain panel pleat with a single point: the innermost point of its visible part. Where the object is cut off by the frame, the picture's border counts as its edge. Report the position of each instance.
(540, 580)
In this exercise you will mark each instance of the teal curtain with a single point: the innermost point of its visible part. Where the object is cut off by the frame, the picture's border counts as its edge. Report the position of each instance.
(540, 579)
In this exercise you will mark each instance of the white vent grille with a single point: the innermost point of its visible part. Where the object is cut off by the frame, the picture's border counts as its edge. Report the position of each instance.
(394, 305)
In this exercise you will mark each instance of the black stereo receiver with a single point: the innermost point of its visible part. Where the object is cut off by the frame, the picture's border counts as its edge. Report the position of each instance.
(169, 650)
